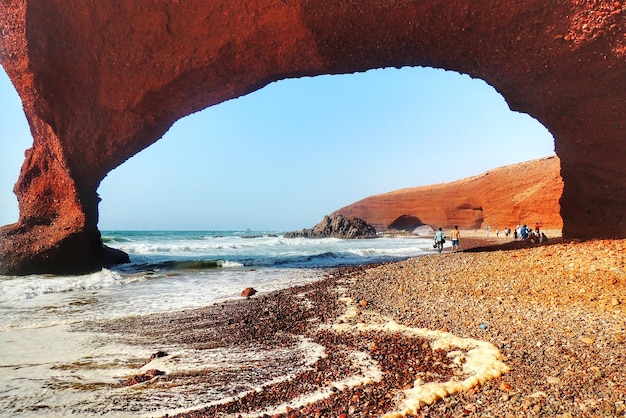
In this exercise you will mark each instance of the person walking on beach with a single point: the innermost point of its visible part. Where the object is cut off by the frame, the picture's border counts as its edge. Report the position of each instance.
(524, 232)
(455, 236)
(439, 240)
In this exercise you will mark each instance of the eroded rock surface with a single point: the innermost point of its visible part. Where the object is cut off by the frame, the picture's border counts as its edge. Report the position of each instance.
(501, 198)
(101, 81)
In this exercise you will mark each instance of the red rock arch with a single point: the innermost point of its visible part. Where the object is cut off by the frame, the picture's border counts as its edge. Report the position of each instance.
(101, 81)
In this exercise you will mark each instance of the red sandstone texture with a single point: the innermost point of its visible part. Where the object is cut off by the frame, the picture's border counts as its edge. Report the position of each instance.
(100, 81)
(500, 198)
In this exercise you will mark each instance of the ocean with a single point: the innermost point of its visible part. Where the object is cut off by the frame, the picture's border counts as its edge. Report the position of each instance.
(50, 366)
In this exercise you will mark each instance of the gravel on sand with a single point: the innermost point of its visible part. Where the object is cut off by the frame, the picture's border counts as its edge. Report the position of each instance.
(556, 314)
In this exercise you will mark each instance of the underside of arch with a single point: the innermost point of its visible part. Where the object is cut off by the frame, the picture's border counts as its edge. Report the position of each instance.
(100, 81)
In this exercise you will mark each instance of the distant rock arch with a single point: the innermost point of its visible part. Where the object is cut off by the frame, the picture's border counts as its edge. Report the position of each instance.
(406, 223)
(501, 198)
(102, 81)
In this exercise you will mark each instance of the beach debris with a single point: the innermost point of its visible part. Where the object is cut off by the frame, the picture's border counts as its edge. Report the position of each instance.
(248, 292)
(505, 386)
(158, 354)
(553, 380)
(469, 408)
(483, 326)
(140, 378)
(148, 374)
(587, 340)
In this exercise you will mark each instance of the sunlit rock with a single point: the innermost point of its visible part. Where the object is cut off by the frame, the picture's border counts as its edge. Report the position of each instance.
(100, 81)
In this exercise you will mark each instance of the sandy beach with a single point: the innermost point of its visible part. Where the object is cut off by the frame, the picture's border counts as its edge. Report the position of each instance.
(551, 316)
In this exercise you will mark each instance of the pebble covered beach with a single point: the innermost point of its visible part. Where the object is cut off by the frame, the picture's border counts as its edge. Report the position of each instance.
(554, 314)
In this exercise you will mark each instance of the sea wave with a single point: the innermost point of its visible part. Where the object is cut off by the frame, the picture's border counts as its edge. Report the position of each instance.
(327, 259)
(184, 265)
(115, 240)
(199, 250)
(391, 252)
(217, 244)
(229, 263)
(27, 287)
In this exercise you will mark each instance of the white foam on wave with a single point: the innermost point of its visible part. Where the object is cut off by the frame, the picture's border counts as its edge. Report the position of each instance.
(228, 263)
(234, 359)
(58, 372)
(265, 250)
(393, 252)
(205, 244)
(264, 245)
(28, 287)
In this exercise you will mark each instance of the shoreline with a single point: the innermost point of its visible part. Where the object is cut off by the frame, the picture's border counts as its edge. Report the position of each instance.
(555, 313)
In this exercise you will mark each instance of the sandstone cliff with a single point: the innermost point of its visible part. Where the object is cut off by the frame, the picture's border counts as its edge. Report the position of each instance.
(528, 192)
(101, 80)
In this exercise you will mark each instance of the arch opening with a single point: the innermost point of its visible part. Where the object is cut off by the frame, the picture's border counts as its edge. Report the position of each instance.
(15, 138)
(284, 156)
(563, 65)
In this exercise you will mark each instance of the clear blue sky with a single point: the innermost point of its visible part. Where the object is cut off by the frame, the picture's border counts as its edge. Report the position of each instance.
(284, 156)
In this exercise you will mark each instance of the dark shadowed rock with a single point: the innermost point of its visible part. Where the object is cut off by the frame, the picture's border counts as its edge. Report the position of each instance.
(337, 226)
(158, 354)
(406, 223)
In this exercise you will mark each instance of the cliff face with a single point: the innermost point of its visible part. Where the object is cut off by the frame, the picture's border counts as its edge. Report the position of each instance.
(101, 81)
(503, 197)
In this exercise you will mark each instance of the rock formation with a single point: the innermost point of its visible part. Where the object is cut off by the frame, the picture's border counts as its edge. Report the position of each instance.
(100, 81)
(403, 222)
(503, 197)
(337, 226)
(248, 292)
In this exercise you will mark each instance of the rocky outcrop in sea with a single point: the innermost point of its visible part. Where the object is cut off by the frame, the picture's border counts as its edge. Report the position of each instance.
(336, 226)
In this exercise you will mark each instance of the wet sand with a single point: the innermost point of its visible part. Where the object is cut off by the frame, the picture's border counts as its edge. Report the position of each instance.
(555, 313)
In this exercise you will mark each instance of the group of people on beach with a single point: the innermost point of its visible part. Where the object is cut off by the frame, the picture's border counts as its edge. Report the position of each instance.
(522, 233)
(526, 234)
(440, 239)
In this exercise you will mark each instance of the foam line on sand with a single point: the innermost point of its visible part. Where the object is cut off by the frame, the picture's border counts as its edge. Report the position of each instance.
(478, 361)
